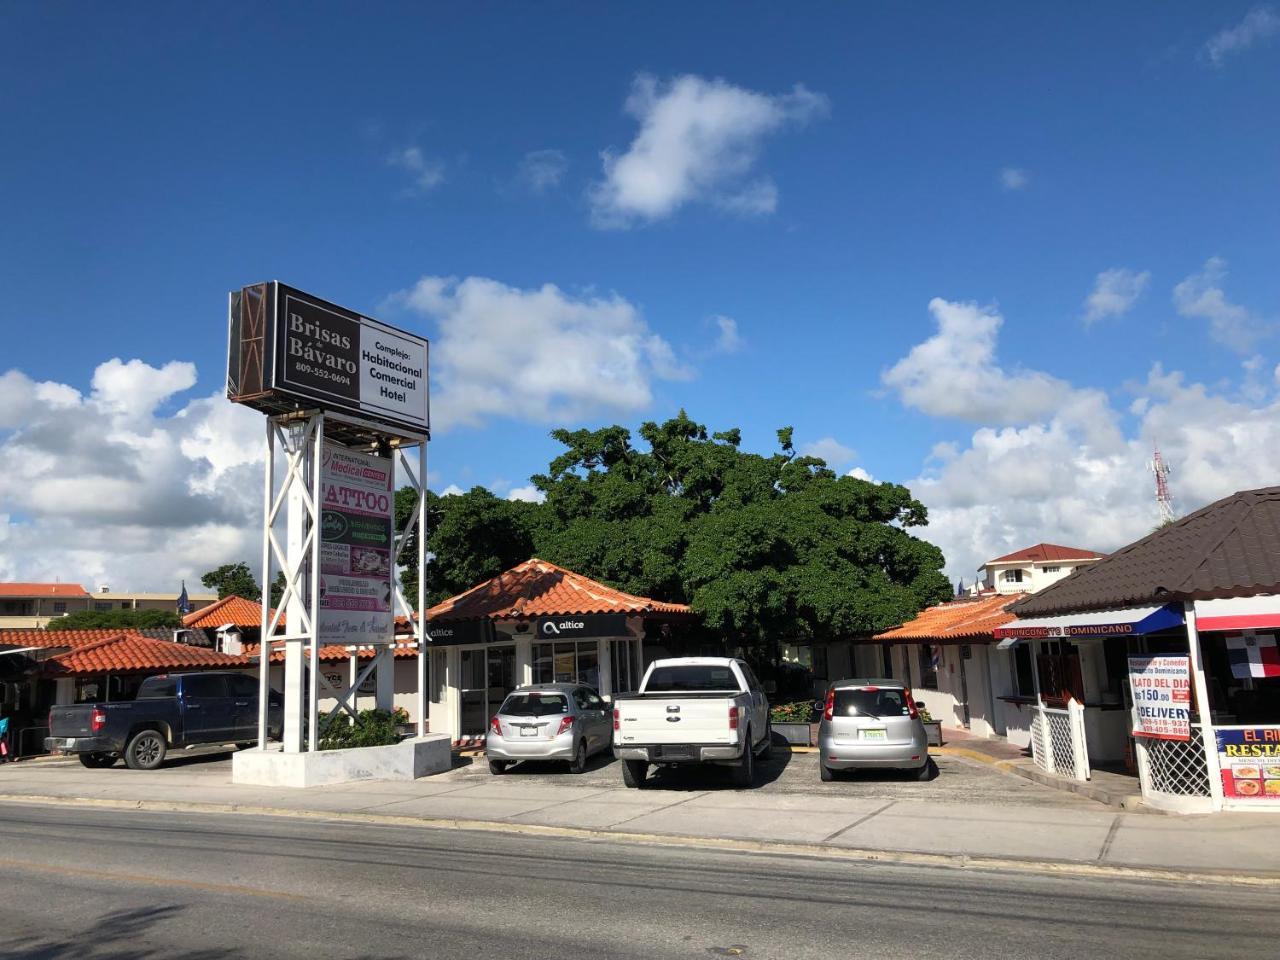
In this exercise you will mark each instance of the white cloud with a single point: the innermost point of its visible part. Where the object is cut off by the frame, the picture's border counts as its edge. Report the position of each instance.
(1076, 473)
(835, 453)
(452, 490)
(728, 340)
(529, 494)
(108, 487)
(1014, 178)
(698, 141)
(427, 173)
(1114, 293)
(954, 373)
(861, 474)
(542, 170)
(536, 354)
(1201, 296)
(1258, 24)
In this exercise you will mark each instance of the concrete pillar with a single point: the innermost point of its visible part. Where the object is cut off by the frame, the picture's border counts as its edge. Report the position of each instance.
(385, 678)
(524, 660)
(1212, 765)
(604, 651)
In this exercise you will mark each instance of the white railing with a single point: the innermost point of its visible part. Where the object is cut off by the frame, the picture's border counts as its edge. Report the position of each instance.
(1174, 768)
(1058, 743)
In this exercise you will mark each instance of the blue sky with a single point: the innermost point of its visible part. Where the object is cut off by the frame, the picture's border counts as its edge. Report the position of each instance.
(815, 175)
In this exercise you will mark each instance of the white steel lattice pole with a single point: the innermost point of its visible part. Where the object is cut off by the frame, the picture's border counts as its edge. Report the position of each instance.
(264, 642)
(420, 631)
(313, 693)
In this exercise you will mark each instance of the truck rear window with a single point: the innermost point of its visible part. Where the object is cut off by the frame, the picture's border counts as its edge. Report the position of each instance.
(870, 703)
(691, 678)
(155, 689)
(534, 704)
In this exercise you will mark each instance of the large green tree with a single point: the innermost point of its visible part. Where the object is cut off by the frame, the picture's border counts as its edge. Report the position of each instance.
(233, 578)
(116, 619)
(763, 547)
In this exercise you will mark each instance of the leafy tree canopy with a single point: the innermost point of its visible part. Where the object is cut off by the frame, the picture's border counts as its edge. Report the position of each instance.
(763, 547)
(113, 619)
(233, 578)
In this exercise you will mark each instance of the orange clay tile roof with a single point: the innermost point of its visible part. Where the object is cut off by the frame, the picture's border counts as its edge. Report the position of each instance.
(232, 609)
(537, 588)
(42, 590)
(1047, 553)
(71, 638)
(134, 653)
(955, 621)
(329, 653)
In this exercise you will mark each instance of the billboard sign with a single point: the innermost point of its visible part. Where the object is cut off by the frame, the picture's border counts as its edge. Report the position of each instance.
(289, 350)
(357, 509)
(1161, 688)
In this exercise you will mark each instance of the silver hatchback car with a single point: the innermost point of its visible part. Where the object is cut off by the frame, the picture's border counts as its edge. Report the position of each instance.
(872, 723)
(549, 721)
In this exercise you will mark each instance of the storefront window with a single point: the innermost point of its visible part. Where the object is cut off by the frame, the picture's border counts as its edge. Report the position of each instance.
(567, 663)
(1023, 678)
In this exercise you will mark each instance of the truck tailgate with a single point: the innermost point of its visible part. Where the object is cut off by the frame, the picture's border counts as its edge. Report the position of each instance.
(675, 720)
(70, 720)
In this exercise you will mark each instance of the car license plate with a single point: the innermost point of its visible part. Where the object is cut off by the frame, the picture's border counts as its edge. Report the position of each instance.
(528, 731)
(873, 733)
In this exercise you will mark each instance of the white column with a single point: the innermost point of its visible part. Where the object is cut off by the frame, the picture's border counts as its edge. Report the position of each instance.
(524, 660)
(420, 631)
(1202, 707)
(385, 678)
(295, 693)
(604, 650)
(353, 674)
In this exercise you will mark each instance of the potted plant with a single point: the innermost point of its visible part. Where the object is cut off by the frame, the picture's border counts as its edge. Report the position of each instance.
(795, 722)
(932, 727)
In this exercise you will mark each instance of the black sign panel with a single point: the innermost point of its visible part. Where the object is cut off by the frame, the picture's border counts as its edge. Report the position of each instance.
(288, 349)
(452, 633)
(584, 627)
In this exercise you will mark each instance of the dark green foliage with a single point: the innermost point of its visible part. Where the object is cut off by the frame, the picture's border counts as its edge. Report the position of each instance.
(371, 728)
(801, 711)
(763, 547)
(233, 578)
(116, 619)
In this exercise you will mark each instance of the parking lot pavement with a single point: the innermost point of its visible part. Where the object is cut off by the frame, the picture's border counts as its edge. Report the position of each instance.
(958, 781)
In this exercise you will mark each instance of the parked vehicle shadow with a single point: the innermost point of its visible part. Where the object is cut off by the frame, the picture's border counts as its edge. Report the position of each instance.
(543, 767)
(709, 777)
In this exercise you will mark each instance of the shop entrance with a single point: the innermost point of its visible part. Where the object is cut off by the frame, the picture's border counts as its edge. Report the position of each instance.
(488, 674)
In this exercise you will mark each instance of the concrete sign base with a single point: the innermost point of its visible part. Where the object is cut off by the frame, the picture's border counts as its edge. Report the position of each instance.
(408, 760)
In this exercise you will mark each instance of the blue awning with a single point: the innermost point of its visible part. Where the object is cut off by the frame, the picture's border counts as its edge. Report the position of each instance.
(1119, 622)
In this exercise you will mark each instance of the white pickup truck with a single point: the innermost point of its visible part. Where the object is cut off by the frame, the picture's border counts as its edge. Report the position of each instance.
(692, 710)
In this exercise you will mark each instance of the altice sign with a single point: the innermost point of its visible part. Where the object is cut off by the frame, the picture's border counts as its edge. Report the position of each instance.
(288, 350)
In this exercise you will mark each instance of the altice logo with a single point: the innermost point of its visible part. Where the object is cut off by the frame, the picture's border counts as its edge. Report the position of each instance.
(551, 628)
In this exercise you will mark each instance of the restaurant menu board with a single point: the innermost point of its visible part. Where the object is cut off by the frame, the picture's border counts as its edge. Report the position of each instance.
(355, 546)
(1250, 761)
(1161, 697)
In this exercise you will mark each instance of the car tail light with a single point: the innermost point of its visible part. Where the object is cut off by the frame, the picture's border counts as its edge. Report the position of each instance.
(617, 719)
(911, 705)
(495, 726)
(566, 724)
(733, 718)
(829, 708)
(97, 720)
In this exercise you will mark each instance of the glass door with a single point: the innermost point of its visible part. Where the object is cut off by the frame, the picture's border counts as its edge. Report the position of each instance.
(486, 677)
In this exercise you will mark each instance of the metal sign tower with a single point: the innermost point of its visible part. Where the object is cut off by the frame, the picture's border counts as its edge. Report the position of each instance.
(1164, 499)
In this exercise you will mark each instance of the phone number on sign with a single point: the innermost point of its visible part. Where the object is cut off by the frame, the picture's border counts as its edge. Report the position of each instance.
(322, 373)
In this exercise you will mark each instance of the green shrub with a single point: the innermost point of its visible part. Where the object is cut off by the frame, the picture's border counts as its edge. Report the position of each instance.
(371, 728)
(116, 619)
(801, 711)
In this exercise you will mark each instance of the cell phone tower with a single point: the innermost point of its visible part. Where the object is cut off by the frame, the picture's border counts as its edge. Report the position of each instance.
(1164, 499)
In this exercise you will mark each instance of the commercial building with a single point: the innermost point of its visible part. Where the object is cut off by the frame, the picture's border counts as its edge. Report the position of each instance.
(26, 605)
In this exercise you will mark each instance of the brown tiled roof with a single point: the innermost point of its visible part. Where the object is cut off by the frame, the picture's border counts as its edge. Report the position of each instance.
(537, 588)
(232, 609)
(1231, 548)
(38, 637)
(134, 653)
(955, 621)
(1047, 553)
(42, 590)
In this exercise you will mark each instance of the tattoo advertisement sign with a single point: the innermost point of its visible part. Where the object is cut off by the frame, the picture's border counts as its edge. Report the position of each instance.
(356, 522)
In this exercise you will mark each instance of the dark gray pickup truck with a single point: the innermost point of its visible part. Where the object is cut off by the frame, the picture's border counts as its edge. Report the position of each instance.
(171, 710)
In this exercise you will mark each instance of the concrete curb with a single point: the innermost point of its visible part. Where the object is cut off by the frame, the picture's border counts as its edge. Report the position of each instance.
(1071, 868)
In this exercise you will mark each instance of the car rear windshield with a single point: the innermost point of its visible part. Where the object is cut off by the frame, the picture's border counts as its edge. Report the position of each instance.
(534, 704)
(861, 702)
(692, 678)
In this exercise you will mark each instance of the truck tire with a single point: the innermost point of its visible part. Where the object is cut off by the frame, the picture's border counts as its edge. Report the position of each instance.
(744, 774)
(146, 750)
(579, 761)
(634, 773)
(96, 761)
(766, 752)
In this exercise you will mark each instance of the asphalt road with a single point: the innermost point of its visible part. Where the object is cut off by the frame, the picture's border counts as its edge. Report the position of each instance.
(95, 883)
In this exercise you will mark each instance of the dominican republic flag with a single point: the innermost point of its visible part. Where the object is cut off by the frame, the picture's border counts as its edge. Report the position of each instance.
(1254, 656)
(184, 602)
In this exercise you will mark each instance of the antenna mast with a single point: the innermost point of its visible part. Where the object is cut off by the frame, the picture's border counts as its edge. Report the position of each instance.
(1164, 500)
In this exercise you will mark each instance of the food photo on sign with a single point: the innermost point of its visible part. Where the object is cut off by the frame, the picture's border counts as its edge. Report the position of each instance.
(1250, 761)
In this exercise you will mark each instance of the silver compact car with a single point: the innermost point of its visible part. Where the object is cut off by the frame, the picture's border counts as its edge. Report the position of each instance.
(870, 724)
(548, 721)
